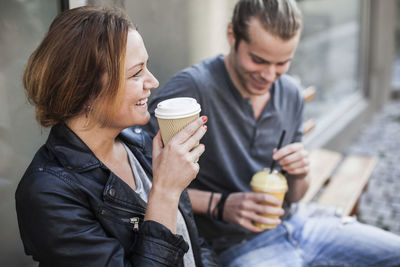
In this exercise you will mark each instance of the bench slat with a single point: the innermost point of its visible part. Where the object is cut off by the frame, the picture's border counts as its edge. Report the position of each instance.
(309, 94)
(308, 126)
(322, 164)
(348, 183)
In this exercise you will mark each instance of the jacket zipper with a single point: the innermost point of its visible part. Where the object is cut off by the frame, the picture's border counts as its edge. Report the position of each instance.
(133, 220)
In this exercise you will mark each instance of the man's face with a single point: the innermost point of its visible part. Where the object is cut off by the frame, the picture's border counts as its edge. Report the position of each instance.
(261, 61)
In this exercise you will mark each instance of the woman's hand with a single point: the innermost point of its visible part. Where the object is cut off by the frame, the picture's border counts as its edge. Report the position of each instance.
(175, 165)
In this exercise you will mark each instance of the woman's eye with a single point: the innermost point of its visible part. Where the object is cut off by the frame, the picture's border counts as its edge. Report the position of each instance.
(137, 74)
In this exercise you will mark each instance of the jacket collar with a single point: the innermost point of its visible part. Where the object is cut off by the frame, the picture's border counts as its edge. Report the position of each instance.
(74, 154)
(70, 150)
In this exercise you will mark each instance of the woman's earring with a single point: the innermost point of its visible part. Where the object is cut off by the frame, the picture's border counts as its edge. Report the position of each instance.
(87, 110)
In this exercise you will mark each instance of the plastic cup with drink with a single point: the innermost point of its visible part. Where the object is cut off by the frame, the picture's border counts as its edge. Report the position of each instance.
(272, 182)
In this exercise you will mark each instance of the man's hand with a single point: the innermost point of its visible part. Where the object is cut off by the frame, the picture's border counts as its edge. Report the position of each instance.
(244, 208)
(293, 158)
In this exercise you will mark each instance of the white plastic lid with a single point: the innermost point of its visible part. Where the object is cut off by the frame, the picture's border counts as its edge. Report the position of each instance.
(176, 108)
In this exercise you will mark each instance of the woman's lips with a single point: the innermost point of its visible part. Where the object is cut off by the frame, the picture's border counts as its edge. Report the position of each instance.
(142, 102)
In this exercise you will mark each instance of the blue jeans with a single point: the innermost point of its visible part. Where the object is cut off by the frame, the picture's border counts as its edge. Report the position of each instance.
(317, 241)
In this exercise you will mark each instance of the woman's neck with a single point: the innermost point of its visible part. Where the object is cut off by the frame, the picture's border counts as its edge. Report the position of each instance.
(101, 140)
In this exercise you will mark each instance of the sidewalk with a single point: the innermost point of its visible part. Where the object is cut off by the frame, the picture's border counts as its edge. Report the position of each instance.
(380, 204)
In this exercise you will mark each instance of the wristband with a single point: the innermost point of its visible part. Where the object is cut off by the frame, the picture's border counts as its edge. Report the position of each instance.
(220, 206)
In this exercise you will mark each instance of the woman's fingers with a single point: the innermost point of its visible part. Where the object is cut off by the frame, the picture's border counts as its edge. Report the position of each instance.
(195, 138)
(189, 130)
(157, 145)
(176, 164)
(196, 152)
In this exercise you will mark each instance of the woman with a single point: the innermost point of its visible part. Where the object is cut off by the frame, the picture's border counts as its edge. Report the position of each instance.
(86, 198)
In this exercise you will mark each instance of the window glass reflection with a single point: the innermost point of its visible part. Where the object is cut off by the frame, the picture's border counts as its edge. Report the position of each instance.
(23, 24)
(328, 53)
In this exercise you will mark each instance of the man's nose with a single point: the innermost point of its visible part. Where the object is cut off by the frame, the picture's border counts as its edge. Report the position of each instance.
(269, 73)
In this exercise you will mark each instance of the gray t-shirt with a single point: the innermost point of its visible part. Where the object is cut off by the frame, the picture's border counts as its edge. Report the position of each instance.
(143, 186)
(237, 145)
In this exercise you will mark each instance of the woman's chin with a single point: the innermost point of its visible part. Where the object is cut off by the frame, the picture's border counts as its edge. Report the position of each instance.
(143, 121)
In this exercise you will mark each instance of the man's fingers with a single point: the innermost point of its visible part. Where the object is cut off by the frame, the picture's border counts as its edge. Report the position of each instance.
(189, 130)
(267, 204)
(300, 156)
(298, 171)
(265, 220)
(300, 163)
(268, 209)
(250, 226)
(287, 150)
(264, 197)
(248, 219)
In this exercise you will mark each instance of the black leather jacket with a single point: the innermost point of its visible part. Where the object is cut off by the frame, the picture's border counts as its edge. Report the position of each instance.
(73, 211)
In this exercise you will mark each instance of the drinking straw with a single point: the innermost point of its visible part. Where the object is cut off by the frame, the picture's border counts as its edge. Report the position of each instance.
(278, 147)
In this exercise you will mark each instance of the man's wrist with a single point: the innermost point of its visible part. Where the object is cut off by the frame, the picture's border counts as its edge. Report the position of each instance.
(221, 205)
(213, 205)
(296, 176)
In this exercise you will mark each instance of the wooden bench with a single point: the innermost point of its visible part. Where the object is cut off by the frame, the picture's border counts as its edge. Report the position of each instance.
(308, 96)
(337, 181)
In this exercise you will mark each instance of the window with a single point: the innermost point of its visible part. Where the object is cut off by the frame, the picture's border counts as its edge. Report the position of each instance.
(22, 26)
(328, 53)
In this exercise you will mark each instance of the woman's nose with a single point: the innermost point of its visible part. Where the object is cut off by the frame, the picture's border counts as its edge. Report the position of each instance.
(151, 82)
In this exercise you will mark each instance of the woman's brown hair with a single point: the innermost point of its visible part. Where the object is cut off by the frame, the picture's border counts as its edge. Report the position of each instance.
(79, 65)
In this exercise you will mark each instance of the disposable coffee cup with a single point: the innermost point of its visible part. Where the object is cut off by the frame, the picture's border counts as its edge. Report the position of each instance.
(272, 183)
(174, 114)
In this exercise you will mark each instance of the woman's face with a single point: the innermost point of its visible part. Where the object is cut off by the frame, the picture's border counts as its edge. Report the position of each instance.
(138, 83)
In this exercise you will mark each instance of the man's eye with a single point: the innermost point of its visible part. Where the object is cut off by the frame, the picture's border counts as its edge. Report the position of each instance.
(137, 74)
(257, 60)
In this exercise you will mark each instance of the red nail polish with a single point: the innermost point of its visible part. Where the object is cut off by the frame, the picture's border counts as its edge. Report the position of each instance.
(204, 118)
(205, 127)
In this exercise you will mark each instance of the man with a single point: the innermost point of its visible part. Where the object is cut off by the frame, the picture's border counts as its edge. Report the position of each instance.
(249, 101)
